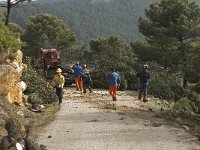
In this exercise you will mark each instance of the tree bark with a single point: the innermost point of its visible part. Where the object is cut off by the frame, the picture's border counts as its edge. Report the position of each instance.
(8, 12)
(184, 59)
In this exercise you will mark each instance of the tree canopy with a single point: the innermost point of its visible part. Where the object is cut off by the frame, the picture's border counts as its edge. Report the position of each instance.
(171, 28)
(46, 30)
(107, 52)
(111, 51)
(8, 4)
(89, 19)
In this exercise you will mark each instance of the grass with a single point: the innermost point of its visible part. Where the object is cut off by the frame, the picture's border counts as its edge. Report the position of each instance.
(197, 129)
(110, 106)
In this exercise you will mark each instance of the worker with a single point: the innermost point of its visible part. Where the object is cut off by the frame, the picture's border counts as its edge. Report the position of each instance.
(86, 79)
(114, 83)
(143, 76)
(58, 82)
(77, 69)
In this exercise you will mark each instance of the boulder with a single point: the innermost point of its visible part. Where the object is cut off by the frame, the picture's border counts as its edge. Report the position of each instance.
(10, 78)
(22, 85)
(11, 86)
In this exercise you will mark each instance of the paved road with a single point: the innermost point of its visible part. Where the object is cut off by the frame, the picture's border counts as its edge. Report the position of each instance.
(80, 126)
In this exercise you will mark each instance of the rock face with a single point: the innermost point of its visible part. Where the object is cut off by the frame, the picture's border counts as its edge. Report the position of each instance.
(10, 74)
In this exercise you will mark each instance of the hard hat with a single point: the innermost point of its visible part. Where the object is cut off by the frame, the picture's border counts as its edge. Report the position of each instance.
(146, 66)
(84, 66)
(58, 70)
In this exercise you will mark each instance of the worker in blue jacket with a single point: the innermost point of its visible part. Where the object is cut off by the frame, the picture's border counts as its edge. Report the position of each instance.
(86, 79)
(114, 83)
(77, 69)
(143, 76)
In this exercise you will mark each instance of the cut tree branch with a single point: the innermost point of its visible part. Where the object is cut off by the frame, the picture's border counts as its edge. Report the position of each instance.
(15, 3)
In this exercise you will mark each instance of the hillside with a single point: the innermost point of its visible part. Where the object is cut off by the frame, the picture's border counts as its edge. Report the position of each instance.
(89, 19)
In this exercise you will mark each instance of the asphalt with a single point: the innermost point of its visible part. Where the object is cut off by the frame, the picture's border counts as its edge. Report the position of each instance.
(79, 125)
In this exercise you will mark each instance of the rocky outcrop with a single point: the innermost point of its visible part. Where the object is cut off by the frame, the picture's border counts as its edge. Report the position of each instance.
(10, 74)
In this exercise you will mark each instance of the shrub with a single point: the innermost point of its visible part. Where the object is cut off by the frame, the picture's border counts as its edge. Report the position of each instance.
(178, 91)
(99, 78)
(9, 44)
(123, 84)
(183, 106)
(163, 84)
(189, 104)
(160, 88)
(130, 76)
(38, 84)
(34, 98)
(194, 99)
(196, 88)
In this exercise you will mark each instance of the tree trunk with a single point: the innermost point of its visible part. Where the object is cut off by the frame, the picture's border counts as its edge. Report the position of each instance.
(8, 12)
(184, 65)
(185, 83)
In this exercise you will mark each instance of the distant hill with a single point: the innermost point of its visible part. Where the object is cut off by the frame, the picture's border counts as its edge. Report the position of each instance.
(90, 18)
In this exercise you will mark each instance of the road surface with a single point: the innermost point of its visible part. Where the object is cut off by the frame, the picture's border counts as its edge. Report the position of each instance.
(81, 126)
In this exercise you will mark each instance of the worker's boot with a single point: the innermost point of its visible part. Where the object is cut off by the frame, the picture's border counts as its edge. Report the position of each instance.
(145, 99)
(84, 90)
(60, 101)
(90, 90)
(114, 99)
(140, 95)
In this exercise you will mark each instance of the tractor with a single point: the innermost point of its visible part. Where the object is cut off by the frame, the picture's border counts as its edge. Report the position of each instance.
(49, 61)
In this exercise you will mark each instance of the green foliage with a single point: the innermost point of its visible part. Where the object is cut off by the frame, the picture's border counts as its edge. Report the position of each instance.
(178, 90)
(46, 30)
(170, 22)
(164, 84)
(2, 15)
(194, 99)
(183, 106)
(39, 88)
(144, 51)
(113, 52)
(130, 76)
(197, 129)
(196, 88)
(8, 4)
(99, 78)
(15, 28)
(188, 105)
(110, 106)
(9, 44)
(192, 69)
(123, 85)
(34, 98)
(89, 19)
(171, 28)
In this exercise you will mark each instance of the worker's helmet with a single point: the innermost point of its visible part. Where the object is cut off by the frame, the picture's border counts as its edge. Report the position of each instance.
(146, 66)
(84, 66)
(58, 70)
(77, 63)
